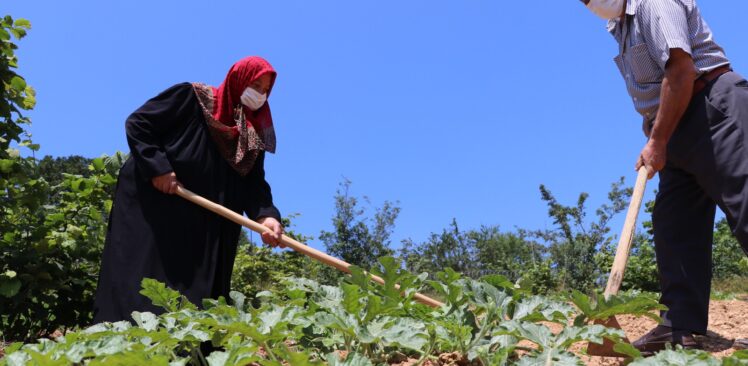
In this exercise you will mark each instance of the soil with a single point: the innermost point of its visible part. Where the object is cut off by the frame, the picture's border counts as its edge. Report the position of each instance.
(728, 320)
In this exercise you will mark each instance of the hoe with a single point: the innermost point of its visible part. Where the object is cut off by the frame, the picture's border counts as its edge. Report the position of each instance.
(287, 241)
(619, 264)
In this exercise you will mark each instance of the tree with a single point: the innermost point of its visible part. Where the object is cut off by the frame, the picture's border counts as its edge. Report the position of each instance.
(507, 254)
(452, 248)
(728, 256)
(473, 253)
(574, 243)
(51, 236)
(355, 238)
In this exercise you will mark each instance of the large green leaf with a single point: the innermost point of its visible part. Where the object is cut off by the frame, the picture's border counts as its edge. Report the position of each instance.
(396, 331)
(539, 308)
(328, 297)
(638, 304)
(163, 296)
(352, 298)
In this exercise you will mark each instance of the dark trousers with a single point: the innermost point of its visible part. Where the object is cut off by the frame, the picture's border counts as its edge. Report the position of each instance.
(707, 167)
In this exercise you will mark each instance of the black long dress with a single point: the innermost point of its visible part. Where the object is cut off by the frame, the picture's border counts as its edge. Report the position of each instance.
(165, 237)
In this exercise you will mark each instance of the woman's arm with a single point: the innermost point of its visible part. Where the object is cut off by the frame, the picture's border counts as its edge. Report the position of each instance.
(147, 126)
(260, 202)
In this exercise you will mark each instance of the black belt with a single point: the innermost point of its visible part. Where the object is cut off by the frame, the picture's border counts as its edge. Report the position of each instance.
(708, 77)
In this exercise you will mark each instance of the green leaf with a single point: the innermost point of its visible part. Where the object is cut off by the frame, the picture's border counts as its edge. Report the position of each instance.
(217, 358)
(538, 308)
(163, 296)
(352, 299)
(9, 287)
(352, 359)
(146, 320)
(94, 214)
(498, 281)
(238, 299)
(18, 32)
(22, 23)
(678, 357)
(553, 357)
(627, 349)
(10, 274)
(17, 358)
(98, 163)
(536, 333)
(108, 179)
(328, 297)
(638, 304)
(191, 332)
(390, 331)
(18, 83)
(6, 165)
(30, 100)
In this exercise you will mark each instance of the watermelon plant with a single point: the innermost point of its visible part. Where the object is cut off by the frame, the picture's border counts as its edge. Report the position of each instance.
(357, 322)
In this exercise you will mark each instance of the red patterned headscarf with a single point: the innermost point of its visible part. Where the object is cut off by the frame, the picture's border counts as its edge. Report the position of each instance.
(239, 132)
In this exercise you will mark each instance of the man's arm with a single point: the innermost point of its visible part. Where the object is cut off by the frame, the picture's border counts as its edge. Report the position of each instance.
(677, 89)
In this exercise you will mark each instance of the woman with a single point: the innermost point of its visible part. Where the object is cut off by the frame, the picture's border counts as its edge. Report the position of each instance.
(212, 141)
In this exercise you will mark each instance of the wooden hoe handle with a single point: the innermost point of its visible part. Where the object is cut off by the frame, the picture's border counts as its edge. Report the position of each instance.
(287, 241)
(627, 235)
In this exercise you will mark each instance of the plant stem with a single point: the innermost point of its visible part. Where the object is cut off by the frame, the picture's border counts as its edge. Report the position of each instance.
(269, 352)
(426, 354)
(484, 328)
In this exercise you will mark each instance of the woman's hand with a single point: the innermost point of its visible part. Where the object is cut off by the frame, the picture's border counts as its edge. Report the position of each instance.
(272, 237)
(166, 183)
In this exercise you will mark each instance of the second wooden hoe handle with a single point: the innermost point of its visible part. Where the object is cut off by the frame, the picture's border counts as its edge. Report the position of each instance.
(627, 235)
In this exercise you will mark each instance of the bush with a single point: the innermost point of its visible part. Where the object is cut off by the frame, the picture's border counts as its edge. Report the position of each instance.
(51, 249)
(51, 234)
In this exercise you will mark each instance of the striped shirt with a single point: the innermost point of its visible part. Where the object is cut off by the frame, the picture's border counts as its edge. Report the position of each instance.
(650, 29)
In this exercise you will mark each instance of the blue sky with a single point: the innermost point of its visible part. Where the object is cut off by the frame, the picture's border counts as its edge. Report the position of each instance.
(453, 108)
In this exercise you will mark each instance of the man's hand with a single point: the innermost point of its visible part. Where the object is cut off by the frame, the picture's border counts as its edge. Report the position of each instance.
(166, 183)
(653, 156)
(272, 237)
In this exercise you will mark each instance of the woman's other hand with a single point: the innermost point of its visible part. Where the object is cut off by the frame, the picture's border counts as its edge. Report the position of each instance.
(273, 236)
(166, 183)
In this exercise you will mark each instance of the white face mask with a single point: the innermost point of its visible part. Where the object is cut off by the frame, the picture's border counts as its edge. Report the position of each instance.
(253, 99)
(607, 9)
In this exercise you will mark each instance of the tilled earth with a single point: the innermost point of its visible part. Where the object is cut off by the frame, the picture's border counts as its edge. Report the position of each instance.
(728, 320)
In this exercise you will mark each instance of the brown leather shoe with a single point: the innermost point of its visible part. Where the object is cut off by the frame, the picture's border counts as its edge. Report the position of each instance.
(657, 339)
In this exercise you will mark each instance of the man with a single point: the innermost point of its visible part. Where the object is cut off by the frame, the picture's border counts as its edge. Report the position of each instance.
(695, 111)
